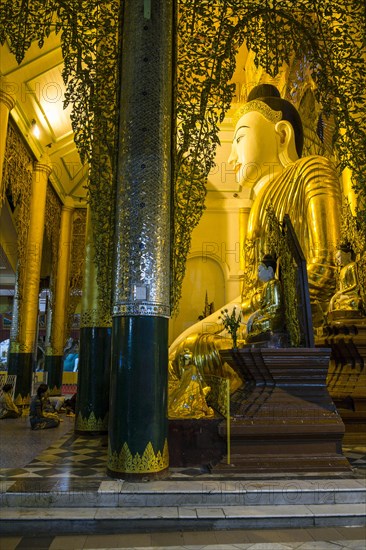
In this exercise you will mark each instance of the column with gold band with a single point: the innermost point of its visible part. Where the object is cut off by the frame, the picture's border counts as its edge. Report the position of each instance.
(141, 289)
(23, 344)
(55, 349)
(95, 350)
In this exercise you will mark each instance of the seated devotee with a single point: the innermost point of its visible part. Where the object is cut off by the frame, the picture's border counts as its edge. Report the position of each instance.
(266, 151)
(70, 405)
(347, 297)
(8, 408)
(54, 403)
(269, 318)
(39, 418)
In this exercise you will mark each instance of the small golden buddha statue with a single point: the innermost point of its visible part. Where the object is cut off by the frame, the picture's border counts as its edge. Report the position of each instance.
(347, 298)
(269, 318)
(187, 396)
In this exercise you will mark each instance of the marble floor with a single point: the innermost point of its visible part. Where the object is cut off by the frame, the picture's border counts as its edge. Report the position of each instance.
(342, 538)
(60, 461)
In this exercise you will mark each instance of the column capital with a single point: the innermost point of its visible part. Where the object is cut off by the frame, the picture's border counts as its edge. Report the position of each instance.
(68, 203)
(7, 99)
(43, 165)
(244, 209)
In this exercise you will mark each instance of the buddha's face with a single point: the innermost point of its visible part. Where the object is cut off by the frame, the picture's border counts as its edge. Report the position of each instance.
(254, 150)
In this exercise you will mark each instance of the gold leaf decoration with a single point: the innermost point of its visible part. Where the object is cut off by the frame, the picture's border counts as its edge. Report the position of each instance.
(277, 244)
(96, 317)
(52, 229)
(76, 261)
(149, 462)
(17, 182)
(22, 401)
(217, 398)
(91, 423)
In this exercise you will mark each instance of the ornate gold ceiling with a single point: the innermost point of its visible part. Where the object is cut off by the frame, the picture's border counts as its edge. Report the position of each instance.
(38, 90)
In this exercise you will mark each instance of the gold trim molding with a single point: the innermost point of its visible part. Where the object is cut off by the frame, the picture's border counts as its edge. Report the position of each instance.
(91, 424)
(96, 317)
(149, 462)
(260, 107)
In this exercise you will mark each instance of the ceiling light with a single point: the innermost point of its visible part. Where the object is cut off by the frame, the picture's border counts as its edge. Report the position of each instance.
(35, 129)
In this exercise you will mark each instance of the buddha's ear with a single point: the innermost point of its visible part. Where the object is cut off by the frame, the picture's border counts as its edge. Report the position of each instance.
(286, 142)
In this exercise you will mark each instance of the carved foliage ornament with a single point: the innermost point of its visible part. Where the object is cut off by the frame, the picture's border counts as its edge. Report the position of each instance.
(329, 33)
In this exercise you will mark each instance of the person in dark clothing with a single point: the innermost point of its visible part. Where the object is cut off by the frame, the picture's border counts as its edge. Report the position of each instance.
(39, 418)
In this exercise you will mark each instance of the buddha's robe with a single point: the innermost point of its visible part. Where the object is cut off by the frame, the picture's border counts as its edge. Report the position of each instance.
(309, 192)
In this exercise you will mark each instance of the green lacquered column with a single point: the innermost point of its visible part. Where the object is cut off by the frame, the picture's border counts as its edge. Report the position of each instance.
(21, 364)
(95, 351)
(53, 365)
(138, 391)
(93, 380)
(141, 290)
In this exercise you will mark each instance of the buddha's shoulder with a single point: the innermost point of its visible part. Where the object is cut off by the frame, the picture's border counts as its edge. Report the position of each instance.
(312, 162)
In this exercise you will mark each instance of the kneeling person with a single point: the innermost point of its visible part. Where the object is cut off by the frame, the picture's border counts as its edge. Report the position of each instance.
(39, 418)
(8, 408)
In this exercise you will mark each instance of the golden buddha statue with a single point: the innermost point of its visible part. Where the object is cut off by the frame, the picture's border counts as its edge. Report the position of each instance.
(187, 394)
(266, 150)
(269, 319)
(347, 298)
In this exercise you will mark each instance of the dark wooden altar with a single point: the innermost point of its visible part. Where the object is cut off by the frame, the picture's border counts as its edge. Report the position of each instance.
(195, 442)
(345, 335)
(283, 419)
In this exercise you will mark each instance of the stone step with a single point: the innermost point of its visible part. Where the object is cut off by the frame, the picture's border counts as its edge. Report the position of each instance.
(195, 493)
(154, 518)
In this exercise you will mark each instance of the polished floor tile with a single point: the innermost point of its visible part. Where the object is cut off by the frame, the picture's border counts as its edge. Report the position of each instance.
(76, 465)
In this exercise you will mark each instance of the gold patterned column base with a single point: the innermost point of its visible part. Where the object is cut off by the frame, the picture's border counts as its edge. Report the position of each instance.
(22, 401)
(91, 424)
(148, 463)
(55, 391)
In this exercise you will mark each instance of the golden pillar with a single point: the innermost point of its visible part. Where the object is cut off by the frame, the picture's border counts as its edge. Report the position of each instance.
(22, 348)
(54, 352)
(7, 102)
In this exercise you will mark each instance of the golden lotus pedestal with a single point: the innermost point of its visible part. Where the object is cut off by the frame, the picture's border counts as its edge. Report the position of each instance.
(345, 335)
(283, 418)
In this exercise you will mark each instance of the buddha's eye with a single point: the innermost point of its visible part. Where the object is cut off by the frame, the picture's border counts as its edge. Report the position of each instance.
(239, 138)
